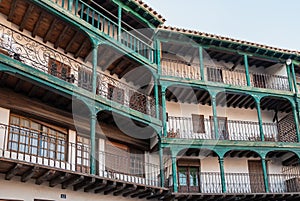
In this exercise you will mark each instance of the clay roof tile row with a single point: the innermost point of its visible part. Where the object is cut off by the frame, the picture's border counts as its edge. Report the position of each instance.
(150, 10)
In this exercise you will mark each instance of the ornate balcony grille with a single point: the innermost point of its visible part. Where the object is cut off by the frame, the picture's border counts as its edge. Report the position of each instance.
(43, 58)
(183, 127)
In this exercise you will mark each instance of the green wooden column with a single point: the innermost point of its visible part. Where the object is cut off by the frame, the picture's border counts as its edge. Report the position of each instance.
(247, 70)
(95, 64)
(222, 172)
(156, 97)
(294, 78)
(93, 120)
(296, 120)
(215, 115)
(70, 4)
(261, 130)
(201, 63)
(164, 111)
(265, 174)
(158, 56)
(174, 174)
(119, 22)
(161, 164)
(288, 71)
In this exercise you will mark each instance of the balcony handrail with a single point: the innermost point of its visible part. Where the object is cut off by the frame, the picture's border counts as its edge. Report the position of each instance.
(224, 68)
(69, 158)
(127, 38)
(180, 61)
(38, 56)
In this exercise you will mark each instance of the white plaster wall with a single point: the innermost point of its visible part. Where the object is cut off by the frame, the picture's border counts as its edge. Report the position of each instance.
(186, 110)
(210, 164)
(17, 190)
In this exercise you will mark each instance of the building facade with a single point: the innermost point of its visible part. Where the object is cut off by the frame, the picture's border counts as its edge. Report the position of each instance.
(101, 101)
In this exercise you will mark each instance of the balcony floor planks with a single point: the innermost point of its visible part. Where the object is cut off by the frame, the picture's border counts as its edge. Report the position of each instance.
(66, 178)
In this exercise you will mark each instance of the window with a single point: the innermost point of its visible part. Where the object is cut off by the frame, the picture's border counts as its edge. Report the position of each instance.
(222, 127)
(85, 79)
(120, 158)
(198, 123)
(31, 137)
(60, 70)
(83, 154)
(188, 179)
(115, 93)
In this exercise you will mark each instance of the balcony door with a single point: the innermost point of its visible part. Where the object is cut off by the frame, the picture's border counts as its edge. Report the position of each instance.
(188, 175)
(222, 127)
(256, 176)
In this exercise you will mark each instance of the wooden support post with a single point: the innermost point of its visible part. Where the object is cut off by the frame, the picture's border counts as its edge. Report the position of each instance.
(164, 111)
(222, 172)
(119, 23)
(156, 97)
(95, 64)
(296, 120)
(174, 174)
(28, 175)
(201, 59)
(265, 174)
(288, 71)
(93, 120)
(215, 116)
(161, 164)
(247, 70)
(158, 56)
(262, 136)
(294, 78)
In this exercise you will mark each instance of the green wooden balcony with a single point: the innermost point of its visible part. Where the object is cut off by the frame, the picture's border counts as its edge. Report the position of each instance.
(235, 130)
(133, 40)
(212, 73)
(236, 183)
(36, 147)
(30, 51)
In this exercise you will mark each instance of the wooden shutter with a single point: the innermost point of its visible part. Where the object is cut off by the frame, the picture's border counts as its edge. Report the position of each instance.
(115, 93)
(59, 69)
(85, 79)
(198, 123)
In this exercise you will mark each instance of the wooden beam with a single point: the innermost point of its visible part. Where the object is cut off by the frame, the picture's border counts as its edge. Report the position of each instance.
(118, 186)
(13, 171)
(26, 16)
(11, 11)
(109, 185)
(128, 187)
(72, 181)
(33, 91)
(71, 42)
(53, 23)
(37, 24)
(82, 184)
(3, 78)
(45, 177)
(29, 174)
(236, 63)
(19, 85)
(59, 179)
(145, 191)
(61, 36)
(96, 183)
(80, 49)
(137, 189)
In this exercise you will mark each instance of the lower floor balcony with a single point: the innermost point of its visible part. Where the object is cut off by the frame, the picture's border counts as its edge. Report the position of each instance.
(236, 183)
(49, 149)
(198, 127)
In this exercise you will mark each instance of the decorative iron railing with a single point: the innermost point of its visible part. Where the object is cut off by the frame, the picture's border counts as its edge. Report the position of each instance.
(133, 39)
(48, 60)
(267, 81)
(73, 157)
(184, 127)
(239, 183)
(181, 69)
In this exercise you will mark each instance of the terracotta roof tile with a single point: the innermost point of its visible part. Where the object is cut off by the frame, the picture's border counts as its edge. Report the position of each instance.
(150, 10)
(224, 38)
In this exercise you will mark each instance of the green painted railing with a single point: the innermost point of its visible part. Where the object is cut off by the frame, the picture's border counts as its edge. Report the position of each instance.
(110, 27)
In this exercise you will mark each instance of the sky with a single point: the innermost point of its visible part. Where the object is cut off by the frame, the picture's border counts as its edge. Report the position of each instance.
(270, 22)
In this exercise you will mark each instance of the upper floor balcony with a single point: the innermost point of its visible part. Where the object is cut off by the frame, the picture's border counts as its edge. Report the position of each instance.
(23, 49)
(185, 62)
(111, 21)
